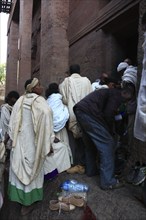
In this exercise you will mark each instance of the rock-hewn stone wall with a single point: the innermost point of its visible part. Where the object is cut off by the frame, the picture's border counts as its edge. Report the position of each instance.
(36, 41)
(54, 42)
(101, 37)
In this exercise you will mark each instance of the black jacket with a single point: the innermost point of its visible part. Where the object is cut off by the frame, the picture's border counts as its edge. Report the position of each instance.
(102, 105)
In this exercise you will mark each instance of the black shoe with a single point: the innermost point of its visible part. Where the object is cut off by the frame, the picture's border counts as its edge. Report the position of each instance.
(117, 185)
(133, 172)
(140, 177)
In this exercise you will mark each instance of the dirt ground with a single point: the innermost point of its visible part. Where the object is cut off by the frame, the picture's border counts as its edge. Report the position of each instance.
(117, 204)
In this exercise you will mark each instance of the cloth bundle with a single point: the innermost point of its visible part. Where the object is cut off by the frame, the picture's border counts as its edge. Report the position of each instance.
(130, 75)
(122, 66)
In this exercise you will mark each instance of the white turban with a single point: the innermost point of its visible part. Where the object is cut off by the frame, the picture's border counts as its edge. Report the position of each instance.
(30, 86)
(130, 75)
(122, 66)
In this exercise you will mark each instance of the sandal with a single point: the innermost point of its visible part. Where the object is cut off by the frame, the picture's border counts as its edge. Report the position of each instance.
(73, 199)
(58, 205)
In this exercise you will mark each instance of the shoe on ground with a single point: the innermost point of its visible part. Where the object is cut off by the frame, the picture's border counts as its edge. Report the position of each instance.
(73, 199)
(131, 175)
(115, 186)
(133, 172)
(140, 176)
(58, 205)
(76, 169)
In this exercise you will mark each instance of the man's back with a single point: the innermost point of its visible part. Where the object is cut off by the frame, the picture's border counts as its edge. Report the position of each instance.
(73, 89)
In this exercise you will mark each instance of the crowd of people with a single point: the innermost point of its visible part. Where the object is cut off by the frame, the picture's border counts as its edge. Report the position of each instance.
(64, 132)
(76, 128)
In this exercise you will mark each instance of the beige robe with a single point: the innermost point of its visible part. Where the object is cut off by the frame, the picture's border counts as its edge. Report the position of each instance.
(61, 158)
(31, 130)
(73, 89)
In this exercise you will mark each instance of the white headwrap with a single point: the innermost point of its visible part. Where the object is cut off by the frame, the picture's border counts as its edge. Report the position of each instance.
(30, 86)
(130, 75)
(121, 66)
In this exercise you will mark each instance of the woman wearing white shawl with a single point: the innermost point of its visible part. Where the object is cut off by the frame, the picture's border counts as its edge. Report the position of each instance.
(62, 152)
(31, 132)
(60, 111)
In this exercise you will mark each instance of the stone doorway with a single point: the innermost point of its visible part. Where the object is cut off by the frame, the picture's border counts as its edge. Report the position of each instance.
(122, 35)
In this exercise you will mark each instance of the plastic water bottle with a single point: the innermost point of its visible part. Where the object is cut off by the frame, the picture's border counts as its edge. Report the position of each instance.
(74, 186)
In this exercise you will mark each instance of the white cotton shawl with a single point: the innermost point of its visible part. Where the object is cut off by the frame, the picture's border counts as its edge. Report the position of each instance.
(96, 86)
(122, 66)
(2, 151)
(6, 110)
(130, 75)
(61, 158)
(5, 118)
(42, 136)
(60, 111)
(73, 89)
(140, 119)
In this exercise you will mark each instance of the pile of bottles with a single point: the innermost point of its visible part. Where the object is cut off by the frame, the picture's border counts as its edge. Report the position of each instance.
(74, 186)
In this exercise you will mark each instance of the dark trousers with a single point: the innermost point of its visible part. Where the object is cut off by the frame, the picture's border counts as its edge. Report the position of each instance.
(78, 149)
(104, 143)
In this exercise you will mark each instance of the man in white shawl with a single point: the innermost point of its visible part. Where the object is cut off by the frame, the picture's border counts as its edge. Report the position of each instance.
(73, 89)
(31, 132)
(6, 110)
(5, 143)
(140, 119)
(129, 79)
(120, 70)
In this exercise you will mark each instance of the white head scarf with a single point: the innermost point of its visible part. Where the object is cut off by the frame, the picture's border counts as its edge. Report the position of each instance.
(30, 86)
(121, 66)
(130, 75)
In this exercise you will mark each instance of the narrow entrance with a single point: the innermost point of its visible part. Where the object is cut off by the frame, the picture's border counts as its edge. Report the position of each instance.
(124, 33)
